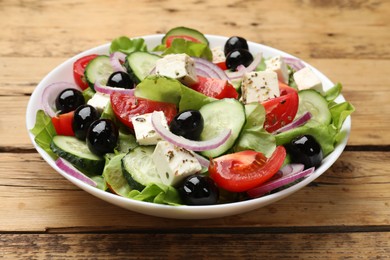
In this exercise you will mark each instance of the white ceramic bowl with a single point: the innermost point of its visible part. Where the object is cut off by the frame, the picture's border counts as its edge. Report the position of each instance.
(64, 73)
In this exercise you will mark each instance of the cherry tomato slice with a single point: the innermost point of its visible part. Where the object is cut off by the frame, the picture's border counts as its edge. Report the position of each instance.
(241, 171)
(79, 68)
(281, 111)
(125, 107)
(216, 88)
(63, 124)
(170, 39)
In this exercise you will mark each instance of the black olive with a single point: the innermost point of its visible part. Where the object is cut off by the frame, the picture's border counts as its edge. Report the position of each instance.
(68, 100)
(83, 117)
(102, 136)
(120, 79)
(238, 57)
(199, 190)
(235, 43)
(306, 150)
(188, 124)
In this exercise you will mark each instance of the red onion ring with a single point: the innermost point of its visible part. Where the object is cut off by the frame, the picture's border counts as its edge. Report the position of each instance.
(50, 94)
(203, 161)
(186, 143)
(274, 184)
(72, 171)
(210, 68)
(204, 68)
(116, 58)
(109, 90)
(241, 72)
(298, 122)
(294, 63)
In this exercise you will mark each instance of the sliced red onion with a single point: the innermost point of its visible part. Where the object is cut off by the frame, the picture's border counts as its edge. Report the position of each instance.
(241, 71)
(210, 68)
(240, 67)
(297, 122)
(50, 94)
(109, 90)
(274, 184)
(204, 68)
(203, 71)
(292, 168)
(186, 143)
(153, 71)
(72, 171)
(116, 58)
(203, 161)
(294, 63)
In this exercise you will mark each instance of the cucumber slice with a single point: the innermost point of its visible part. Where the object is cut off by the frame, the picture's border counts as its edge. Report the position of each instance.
(312, 101)
(219, 115)
(139, 168)
(77, 153)
(139, 64)
(185, 31)
(98, 69)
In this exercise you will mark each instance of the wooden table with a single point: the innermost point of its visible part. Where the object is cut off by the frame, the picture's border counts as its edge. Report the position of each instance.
(344, 214)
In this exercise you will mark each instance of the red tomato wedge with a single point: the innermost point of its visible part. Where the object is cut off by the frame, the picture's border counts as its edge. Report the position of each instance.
(221, 65)
(79, 68)
(63, 124)
(241, 171)
(126, 106)
(216, 88)
(185, 37)
(281, 111)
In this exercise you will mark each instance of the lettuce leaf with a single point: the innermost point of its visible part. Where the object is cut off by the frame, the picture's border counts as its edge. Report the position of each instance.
(44, 132)
(324, 134)
(333, 93)
(113, 175)
(193, 49)
(126, 45)
(253, 136)
(340, 112)
(165, 89)
(157, 193)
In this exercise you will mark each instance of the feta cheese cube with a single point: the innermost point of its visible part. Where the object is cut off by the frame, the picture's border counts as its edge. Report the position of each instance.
(145, 133)
(218, 54)
(259, 86)
(177, 66)
(99, 101)
(174, 163)
(307, 79)
(278, 65)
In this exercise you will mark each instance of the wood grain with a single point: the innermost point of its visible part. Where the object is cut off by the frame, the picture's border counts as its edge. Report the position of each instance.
(196, 246)
(344, 214)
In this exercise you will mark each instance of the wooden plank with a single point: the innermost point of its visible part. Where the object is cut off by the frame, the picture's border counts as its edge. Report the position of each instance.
(353, 193)
(198, 246)
(343, 35)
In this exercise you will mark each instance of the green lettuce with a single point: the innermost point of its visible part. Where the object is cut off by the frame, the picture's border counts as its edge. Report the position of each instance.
(193, 49)
(44, 132)
(253, 136)
(165, 89)
(126, 45)
(157, 193)
(114, 177)
(333, 93)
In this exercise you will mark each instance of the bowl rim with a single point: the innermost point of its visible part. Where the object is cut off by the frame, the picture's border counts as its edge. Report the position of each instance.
(182, 211)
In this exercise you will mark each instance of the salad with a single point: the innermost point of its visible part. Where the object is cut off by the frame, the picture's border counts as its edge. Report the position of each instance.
(187, 124)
